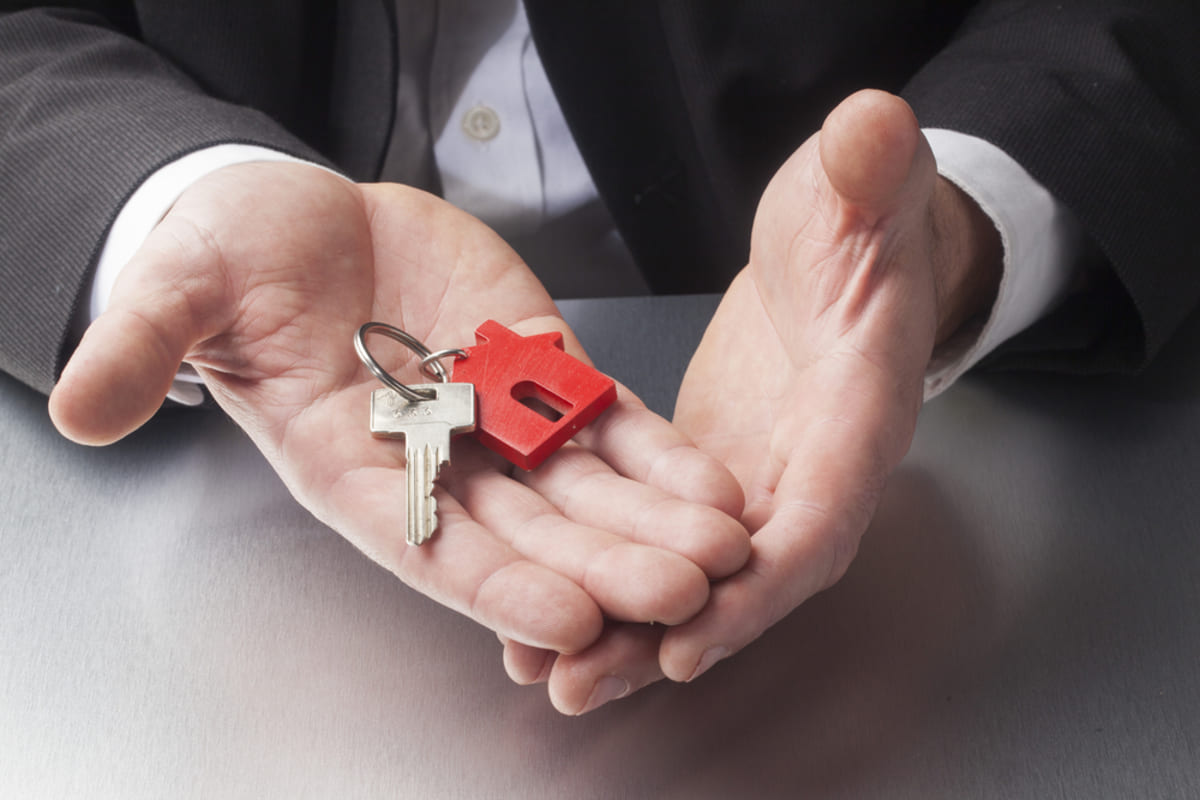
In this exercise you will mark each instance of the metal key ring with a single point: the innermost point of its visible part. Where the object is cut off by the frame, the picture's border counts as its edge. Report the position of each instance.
(432, 366)
(409, 341)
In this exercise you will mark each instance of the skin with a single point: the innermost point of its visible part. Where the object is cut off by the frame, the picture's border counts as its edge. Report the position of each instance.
(259, 276)
(862, 259)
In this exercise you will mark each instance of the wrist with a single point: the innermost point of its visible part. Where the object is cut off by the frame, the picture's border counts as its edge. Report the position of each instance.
(967, 260)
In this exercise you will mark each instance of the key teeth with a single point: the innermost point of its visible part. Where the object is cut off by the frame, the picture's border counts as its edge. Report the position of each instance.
(428, 462)
(414, 531)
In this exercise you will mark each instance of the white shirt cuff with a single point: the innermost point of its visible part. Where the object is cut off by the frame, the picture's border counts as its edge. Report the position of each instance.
(148, 204)
(1041, 240)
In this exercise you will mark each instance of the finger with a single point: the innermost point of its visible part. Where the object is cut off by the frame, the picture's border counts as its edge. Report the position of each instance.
(527, 665)
(464, 566)
(793, 559)
(585, 489)
(622, 661)
(127, 359)
(628, 580)
(131, 353)
(641, 445)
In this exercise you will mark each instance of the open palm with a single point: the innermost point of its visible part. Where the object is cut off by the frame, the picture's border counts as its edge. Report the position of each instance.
(862, 259)
(809, 379)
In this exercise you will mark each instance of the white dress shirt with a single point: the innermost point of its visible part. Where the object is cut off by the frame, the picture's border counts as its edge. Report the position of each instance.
(504, 153)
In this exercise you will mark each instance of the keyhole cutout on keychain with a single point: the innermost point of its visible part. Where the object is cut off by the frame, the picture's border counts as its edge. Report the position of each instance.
(542, 402)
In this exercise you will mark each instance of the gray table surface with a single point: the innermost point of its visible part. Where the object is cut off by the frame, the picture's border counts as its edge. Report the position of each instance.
(1021, 621)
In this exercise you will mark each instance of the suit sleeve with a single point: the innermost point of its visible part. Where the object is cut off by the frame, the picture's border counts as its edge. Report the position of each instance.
(86, 113)
(1100, 102)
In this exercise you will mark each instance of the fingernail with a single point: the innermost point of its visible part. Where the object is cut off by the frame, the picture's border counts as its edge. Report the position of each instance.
(711, 656)
(606, 689)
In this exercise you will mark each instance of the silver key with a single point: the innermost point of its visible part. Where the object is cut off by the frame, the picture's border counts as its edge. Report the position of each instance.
(426, 426)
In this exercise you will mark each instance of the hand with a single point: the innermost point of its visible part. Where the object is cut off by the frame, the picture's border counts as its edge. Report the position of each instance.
(861, 259)
(259, 277)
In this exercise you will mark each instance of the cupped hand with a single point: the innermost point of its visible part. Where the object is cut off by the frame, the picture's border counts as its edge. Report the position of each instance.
(861, 260)
(259, 276)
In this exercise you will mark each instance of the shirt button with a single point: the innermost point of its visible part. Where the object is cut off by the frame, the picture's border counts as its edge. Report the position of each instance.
(481, 123)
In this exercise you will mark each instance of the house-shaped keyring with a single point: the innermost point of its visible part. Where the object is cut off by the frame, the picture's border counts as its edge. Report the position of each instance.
(533, 396)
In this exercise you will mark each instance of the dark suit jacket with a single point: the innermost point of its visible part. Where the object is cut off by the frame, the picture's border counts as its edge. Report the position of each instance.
(682, 110)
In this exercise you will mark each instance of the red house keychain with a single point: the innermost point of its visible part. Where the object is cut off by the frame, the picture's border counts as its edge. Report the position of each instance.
(513, 374)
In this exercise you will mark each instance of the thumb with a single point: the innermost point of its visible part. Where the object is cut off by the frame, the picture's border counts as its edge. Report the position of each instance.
(872, 151)
(119, 375)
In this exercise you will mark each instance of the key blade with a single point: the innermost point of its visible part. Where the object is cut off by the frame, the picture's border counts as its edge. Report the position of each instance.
(426, 448)
(422, 470)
